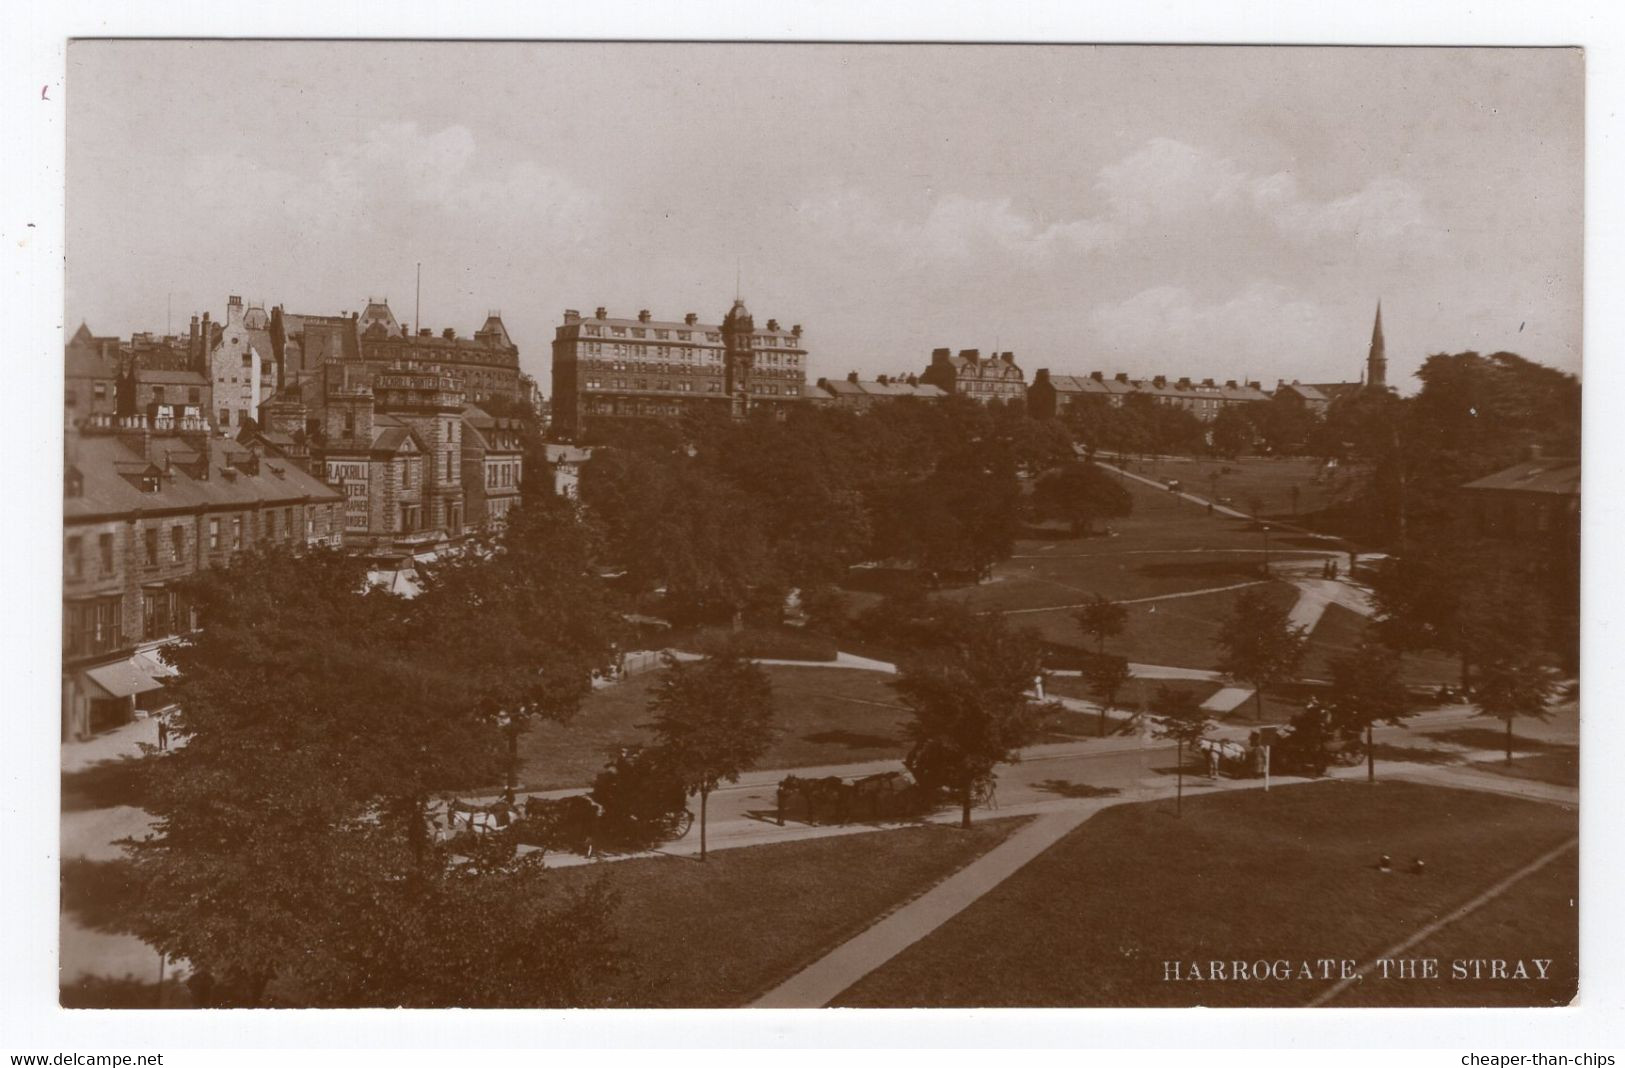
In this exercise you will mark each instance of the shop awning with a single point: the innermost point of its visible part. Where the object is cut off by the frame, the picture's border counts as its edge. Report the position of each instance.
(126, 678)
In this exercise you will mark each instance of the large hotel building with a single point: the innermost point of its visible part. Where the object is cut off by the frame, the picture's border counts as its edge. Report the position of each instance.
(607, 369)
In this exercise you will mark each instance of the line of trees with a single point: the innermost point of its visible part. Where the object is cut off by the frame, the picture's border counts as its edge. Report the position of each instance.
(726, 516)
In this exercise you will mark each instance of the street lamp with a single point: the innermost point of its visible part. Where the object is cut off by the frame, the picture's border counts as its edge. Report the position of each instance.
(1265, 527)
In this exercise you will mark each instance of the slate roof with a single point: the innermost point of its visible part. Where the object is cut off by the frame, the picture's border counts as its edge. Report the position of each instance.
(100, 459)
(1307, 392)
(1555, 476)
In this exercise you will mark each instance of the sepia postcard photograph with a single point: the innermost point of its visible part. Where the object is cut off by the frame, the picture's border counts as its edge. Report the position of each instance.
(792, 525)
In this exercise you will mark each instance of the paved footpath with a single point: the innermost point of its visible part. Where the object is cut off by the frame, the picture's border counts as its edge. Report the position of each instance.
(820, 983)
(826, 978)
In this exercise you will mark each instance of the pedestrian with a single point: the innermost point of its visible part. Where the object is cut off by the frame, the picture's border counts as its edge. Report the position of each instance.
(163, 733)
(1212, 763)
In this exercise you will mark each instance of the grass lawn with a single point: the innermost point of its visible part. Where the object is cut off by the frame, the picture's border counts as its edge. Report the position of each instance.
(1044, 581)
(722, 933)
(1161, 522)
(1138, 692)
(824, 716)
(1522, 924)
(1287, 875)
(1561, 766)
(1178, 632)
(1270, 480)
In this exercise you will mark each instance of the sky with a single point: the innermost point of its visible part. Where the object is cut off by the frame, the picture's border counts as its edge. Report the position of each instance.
(1189, 211)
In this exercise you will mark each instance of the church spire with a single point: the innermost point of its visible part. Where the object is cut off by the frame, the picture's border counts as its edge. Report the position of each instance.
(1376, 376)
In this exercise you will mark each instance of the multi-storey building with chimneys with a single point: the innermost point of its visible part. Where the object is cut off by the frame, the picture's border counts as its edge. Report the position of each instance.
(607, 369)
(149, 499)
(982, 380)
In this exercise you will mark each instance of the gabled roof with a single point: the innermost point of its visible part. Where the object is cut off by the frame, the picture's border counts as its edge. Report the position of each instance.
(1307, 392)
(103, 461)
(1554, 476)
(391, 439)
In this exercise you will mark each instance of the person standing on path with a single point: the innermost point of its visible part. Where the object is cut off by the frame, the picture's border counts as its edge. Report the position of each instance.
(163, 733)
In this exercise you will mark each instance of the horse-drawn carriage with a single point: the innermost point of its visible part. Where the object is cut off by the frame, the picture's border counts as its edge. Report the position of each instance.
(634, 804)
(832, 799)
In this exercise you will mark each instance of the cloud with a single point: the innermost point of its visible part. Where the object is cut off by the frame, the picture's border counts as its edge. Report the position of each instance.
(1264, 329)
(397, 179)
(1162, 188)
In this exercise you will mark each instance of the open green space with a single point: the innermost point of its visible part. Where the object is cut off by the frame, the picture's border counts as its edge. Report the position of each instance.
(1560, 766)
(1270, 481)
(1286, 875)
(1161, 522)
(823, 716)
(1338, 634)
(1050, 581)
(1136, 694)
(1180, 632)
(722, 933)
(1537, 918)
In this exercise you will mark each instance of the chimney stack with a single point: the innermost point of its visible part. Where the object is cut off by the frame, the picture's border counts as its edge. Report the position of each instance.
(1122, 376)
(601, 313)
(1098, 376)
(852, 376)
(643, 315)
(973, 355)
(1008, 357)
(1184, 383)
(691, 319)
(940, 355)
(571, 315)
(773, 324)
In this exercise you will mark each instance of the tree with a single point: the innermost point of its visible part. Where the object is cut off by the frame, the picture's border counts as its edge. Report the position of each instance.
(522, 618)
(291, 851)
(1232, 431)
(1106, 675)
(1260, 646)
(1102, 619)
(966, 689)
(1080, 493)
(1366, 690)
(1185, 721)
(1503, 639)
(713, 721)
